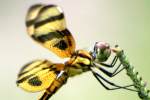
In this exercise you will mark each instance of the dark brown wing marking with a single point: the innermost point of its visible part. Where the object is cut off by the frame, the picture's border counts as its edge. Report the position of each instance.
(46, 25)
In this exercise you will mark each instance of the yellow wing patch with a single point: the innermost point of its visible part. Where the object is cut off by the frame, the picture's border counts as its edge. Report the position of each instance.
(31, 17)
(37, 75)
(47, 26)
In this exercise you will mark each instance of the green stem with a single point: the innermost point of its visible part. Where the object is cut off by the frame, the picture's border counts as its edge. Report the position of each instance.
(137, 80)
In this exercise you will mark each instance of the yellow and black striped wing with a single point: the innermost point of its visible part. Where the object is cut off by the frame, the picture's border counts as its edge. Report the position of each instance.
(37, 75)
(31, 17)
(46, 25)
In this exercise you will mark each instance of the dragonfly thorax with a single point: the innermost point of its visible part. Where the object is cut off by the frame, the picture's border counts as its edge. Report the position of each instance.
(79, 62)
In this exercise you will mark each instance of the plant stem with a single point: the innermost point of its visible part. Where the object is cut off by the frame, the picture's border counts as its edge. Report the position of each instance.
(137, 80)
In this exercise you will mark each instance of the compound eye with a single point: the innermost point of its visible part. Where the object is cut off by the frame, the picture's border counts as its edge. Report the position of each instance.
(101, 51)
(102, 45)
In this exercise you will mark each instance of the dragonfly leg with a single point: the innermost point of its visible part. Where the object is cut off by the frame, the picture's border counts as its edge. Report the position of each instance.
(108, 73)
(112, 63)
(99, 77)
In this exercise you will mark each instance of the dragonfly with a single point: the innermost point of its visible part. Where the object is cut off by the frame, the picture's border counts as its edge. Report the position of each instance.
(46, 25)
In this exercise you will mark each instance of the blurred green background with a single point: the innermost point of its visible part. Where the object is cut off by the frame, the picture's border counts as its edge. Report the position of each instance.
(123, 22)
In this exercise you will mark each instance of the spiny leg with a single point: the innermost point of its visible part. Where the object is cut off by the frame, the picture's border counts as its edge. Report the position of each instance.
(110, 74)
(112, 63)
(99, 77)
(106, 86)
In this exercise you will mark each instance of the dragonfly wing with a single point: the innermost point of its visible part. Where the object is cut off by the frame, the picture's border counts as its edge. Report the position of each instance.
(38, 75)
(49, 29)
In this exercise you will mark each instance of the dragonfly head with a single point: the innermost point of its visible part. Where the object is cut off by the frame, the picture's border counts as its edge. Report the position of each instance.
(101, 51)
